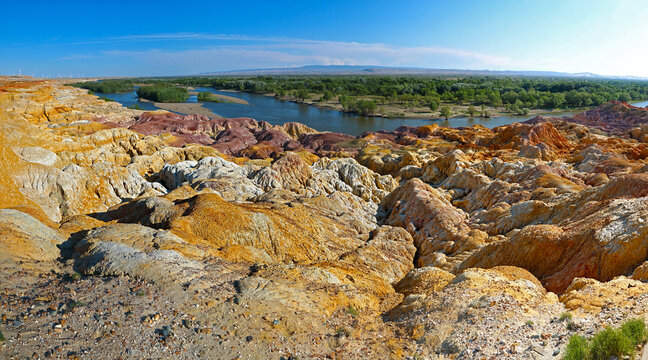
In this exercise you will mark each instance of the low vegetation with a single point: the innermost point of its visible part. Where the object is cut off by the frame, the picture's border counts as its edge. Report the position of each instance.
(107, 86)
(566, 316)
(163, 93)
(352, 311)
(75, 277)
(441, 96)
(609, 343)
(210, 97)
(514, 93)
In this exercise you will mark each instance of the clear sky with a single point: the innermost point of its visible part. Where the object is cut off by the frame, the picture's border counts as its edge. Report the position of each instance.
(132, 38)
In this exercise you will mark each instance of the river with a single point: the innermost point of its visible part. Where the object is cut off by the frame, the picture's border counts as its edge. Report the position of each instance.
(279, 112)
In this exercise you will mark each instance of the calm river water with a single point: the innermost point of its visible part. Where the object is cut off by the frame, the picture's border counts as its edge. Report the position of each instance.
(279, 112)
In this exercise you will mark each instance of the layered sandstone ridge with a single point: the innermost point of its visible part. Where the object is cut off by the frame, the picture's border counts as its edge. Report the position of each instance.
(437, 239)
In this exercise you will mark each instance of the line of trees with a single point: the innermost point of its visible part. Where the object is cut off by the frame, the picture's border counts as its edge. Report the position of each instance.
(163, 93)
(516, 94)
(362, 107)
(107, 86)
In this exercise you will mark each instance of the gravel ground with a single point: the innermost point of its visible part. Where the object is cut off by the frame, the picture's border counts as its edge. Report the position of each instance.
(64, 317)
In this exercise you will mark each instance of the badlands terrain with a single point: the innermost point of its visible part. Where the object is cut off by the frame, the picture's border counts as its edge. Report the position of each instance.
(129, 234)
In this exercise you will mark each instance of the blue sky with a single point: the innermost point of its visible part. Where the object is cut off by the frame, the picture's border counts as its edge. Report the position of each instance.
(131, 38)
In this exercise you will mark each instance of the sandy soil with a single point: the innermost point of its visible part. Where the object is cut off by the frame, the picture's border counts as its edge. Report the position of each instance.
(186, 108)
(226, 98)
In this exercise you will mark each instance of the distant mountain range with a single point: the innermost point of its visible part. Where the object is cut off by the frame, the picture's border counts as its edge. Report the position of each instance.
(387, 70)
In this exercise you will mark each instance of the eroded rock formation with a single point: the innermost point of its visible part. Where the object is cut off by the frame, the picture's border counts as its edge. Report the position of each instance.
(433, 240)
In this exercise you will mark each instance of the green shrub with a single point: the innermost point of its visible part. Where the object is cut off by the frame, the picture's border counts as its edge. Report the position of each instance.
(566, 316)
(608, 343)
(75, 277)
(207, 96)
(2, 338)
(163, 93)
(635, 330)
(577, 349)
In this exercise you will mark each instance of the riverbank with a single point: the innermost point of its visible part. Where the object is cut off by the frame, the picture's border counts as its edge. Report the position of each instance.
(185, 108)
(278, 112)
(421, 112)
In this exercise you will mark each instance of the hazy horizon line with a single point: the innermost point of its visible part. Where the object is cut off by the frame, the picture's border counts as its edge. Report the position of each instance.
(368, 66)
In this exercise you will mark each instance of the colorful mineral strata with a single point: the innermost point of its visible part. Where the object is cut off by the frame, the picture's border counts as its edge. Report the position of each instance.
(132, 234)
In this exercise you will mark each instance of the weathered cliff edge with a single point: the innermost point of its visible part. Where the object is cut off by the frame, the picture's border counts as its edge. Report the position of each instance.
(254, 240)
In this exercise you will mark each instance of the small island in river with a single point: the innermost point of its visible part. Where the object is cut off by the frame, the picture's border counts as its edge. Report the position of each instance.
(185, 108)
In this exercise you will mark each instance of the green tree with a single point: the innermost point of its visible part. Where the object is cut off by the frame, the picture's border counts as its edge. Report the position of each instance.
(625, 97)
(573, 98)
(434, 105)
(344, 100)
(327, 95)
(163, 93)
(555, 101)
(472, 111)
(494, 98)
(393, 94)
(445, 112)
(509, 97)
(302, 94)
(366, 107)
